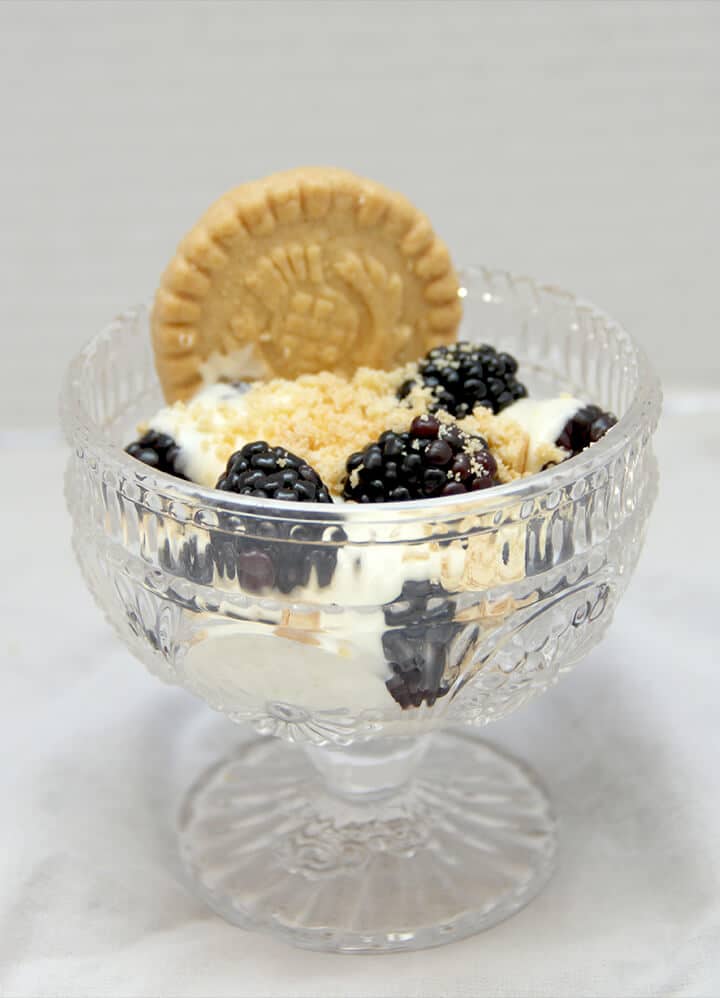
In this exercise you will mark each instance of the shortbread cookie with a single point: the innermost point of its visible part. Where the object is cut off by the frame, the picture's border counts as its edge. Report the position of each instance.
(309, 270)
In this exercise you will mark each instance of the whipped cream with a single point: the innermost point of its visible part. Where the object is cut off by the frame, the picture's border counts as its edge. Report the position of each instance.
(543, 421)
(193, 425)
(242, 669)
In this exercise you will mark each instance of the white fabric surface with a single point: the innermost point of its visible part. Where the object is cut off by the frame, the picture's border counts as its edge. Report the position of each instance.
(96, 755)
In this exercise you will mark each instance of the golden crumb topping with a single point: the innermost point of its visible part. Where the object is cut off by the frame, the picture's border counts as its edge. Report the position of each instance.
(510, 444)
(324, 418)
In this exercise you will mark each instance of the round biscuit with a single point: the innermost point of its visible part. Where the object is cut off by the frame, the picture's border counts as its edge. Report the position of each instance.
(307, 270)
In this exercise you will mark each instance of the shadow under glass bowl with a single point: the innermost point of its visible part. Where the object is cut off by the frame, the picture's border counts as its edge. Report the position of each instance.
(369, 635)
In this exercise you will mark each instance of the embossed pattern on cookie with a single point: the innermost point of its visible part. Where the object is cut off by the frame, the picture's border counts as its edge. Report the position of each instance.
(308, 270)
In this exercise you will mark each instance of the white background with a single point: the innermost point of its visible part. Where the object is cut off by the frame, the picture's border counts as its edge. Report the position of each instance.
(578, 142)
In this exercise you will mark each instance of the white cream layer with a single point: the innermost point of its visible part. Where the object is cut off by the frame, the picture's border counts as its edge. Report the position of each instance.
(542, 419)
(189, 425)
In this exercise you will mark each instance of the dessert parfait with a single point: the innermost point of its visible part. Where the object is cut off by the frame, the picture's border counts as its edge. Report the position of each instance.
(305, 338)
(338, 491)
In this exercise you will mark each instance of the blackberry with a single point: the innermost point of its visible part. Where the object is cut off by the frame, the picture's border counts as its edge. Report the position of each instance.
(464, 375)
(585, 427)
(281, 555)
(431, 459)
(420, 628)
(272, 473)
(157, 450)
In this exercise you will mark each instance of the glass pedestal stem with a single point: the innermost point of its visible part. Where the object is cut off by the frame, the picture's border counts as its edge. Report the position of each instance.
(370, 770)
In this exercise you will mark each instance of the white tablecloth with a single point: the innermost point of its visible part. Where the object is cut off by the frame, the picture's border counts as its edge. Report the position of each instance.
(96, 755)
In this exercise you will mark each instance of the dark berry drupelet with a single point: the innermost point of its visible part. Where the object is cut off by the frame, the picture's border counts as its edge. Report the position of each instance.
(157, 450)
(465, 375)
(586, 427)
(272, 473)
(432, 459)
(420, 628)
(280, 555)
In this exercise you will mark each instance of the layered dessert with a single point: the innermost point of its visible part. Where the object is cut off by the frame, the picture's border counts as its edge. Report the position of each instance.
(306, 342)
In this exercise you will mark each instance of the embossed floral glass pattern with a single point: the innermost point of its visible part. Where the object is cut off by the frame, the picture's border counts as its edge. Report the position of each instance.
(311, 842)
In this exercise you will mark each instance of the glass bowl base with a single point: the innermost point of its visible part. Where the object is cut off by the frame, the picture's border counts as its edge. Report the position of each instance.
(466, 842)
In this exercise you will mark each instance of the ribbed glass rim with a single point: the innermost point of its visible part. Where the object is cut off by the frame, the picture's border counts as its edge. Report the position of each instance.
(640, 419)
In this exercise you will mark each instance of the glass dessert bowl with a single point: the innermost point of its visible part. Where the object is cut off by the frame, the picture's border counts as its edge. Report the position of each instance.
(389, 824)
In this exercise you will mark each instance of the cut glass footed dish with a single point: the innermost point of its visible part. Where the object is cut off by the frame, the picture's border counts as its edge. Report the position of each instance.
(375, 819)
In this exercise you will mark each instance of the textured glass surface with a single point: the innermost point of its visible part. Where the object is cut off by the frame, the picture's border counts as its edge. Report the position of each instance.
(542, 565)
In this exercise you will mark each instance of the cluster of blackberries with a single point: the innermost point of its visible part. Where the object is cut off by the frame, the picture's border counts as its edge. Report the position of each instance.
(585, 427)
(464, 375)
(157, 450)
(281, 555)
(272, 473)
(420, 627)
(277, 554)
(431, 459)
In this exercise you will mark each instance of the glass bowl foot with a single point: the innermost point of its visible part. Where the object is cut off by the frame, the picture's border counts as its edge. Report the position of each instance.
(465, 843)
